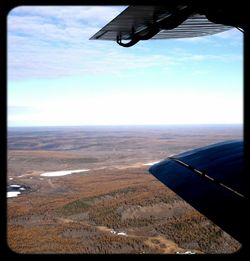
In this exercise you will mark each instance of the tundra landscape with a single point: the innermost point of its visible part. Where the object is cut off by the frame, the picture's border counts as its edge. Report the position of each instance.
(88, 190)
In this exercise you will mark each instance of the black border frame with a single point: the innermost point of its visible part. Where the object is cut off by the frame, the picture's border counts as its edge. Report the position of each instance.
(5, 251)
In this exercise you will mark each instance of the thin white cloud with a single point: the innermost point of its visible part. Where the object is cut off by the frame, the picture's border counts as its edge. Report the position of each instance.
(32, 59)
(230, 34)
(38, 28)
(67, 15)
(47, 60)
(234, 37)
(194, 40)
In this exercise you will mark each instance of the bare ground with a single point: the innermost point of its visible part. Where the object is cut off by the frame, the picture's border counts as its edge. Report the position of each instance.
(76, 213)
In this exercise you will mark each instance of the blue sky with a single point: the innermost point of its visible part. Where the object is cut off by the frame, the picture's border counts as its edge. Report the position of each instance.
(58, 77)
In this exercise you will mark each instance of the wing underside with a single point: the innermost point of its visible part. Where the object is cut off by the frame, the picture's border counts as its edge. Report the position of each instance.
(136, 19)
(211, 180)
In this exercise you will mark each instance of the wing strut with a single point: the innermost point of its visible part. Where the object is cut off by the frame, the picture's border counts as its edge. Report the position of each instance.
(168, 22)
(150, 31)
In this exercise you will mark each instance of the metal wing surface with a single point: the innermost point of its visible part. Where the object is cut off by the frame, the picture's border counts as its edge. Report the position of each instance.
(211, 180)
(136, 20)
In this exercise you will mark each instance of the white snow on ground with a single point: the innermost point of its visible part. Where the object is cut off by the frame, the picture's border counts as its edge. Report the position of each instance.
(121, 234)
(15, 186)
(10, 178)
(12, 194)
(118, 233)
(151, 163)
(185, 253)
(62, 172)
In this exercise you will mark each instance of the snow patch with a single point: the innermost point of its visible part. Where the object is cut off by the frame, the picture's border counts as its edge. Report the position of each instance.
(12, 194)
(62, 172)
(121, 234)
(15, 186)
(118, 233)
(186, 253)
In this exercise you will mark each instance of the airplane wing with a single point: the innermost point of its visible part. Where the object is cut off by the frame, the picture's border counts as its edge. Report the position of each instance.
(211, 180)
(157, 22)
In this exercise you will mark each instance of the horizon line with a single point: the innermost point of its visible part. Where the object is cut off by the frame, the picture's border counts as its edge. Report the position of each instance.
(121, 125)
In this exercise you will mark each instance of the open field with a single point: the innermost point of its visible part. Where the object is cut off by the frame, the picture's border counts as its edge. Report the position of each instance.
(116, 206)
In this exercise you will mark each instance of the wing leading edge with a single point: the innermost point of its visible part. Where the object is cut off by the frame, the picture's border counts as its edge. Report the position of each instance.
(211, 180)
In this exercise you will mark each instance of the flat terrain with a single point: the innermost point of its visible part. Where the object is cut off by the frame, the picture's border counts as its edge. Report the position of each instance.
(116, 206)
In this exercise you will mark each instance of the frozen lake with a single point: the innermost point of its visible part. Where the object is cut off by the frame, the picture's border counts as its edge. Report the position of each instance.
(62, 172)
